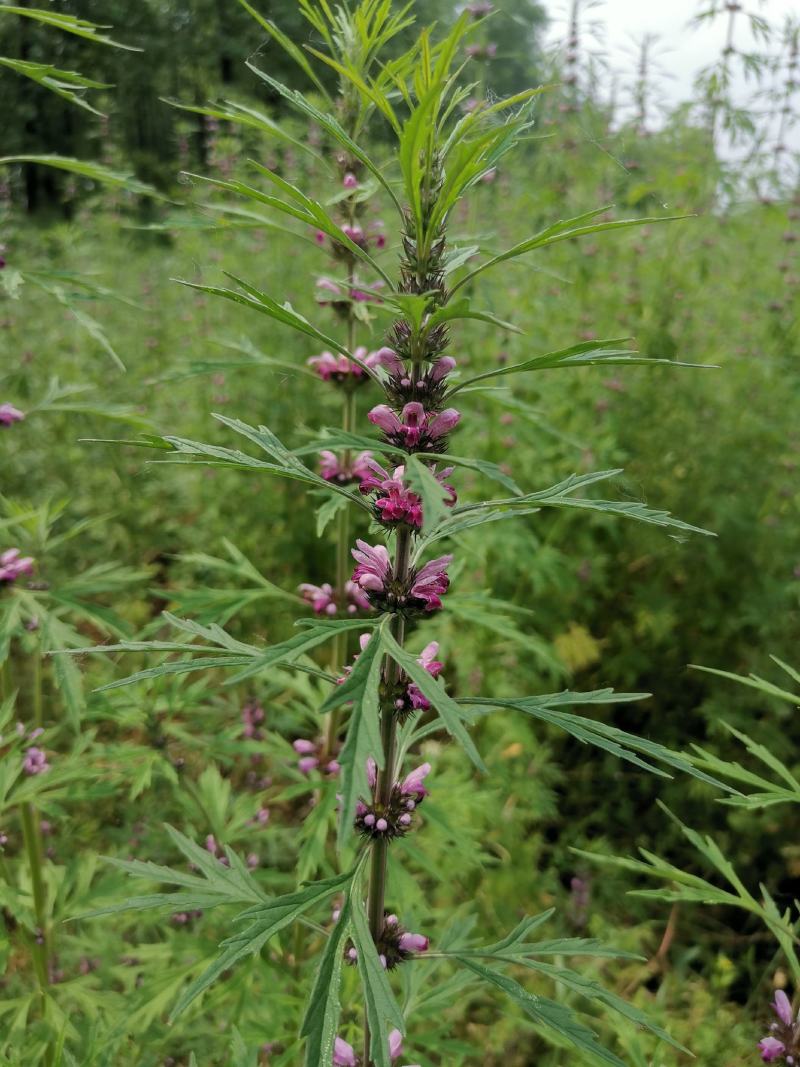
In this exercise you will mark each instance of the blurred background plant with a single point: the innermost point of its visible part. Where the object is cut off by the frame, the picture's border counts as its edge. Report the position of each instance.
(595, 603)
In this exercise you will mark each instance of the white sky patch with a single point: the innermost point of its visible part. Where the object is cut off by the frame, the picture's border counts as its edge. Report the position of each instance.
(681, 50)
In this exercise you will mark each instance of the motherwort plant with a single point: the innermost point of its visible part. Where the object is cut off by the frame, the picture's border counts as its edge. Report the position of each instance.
(404, 492)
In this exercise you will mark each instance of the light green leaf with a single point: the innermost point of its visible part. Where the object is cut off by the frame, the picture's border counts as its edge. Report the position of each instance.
(544, 1012)
(321, 1019)
(379, 1000)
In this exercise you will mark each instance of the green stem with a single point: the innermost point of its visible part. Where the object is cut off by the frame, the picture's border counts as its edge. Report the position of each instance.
(38, 718)
(376, 901)
(31, 836)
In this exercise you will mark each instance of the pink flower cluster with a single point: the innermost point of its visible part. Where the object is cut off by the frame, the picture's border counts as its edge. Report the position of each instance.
(9, 414)
(333, 470)
(393, 819)
(323, 598)
(415, 428)
(344, 1054)
(310, 753)
(784, 1038)
(13, 565)
(340, 369)
(421, 590)
(395, 502)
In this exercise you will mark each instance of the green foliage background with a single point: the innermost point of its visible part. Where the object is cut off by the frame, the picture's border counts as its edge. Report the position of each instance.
(595, 602)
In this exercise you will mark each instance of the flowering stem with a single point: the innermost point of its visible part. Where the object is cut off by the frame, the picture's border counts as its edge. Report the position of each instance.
(380, 848)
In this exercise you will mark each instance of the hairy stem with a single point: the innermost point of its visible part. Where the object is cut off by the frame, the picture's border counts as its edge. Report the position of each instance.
(376, 901)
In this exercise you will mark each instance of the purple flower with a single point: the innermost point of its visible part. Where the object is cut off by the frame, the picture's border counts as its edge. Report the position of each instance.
(373, 570)
(414, 943)
(319, 237)
(481, 51)
(414, 428)
(480, 8)
(311, 753)
(320, 597)
(356, 235)
(357, 600)
(782, 1007)
(35, 761)
(433, 667)
(332, 470)
(390, 361)
(10, 414)
(350, 181)
(339, 369)
(431, 583)
(344, 1054)
(412, 784)
(395, 502)
(770, 1048)
(421, 591)
(13, 565)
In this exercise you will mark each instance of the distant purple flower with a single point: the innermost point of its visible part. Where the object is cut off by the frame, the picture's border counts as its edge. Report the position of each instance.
(320, 597)
(9, 414)
(414, 428)
(35, 761)
(310, 753)
(355, 234)
(339, 369)
(480, 8)
(252, 716)
(350, 181)
(324, 601)
(13, 565)
(481, 51)
(333, 470)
